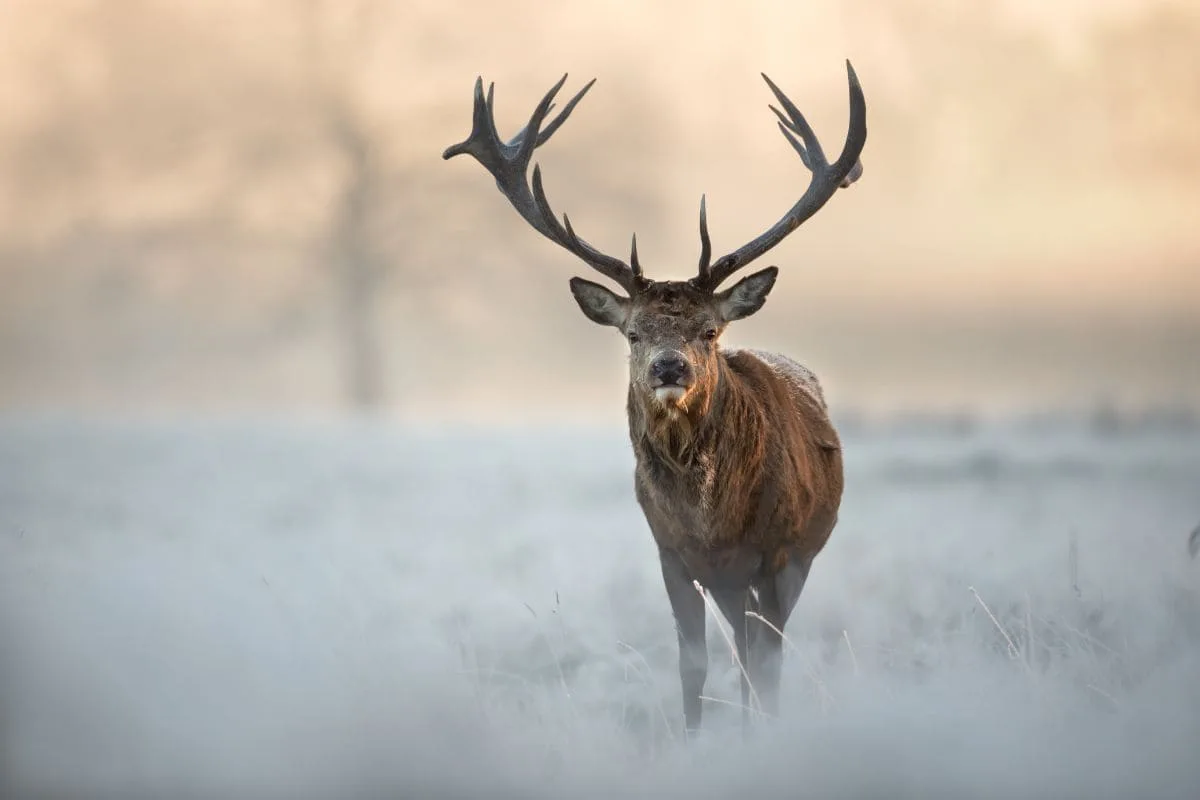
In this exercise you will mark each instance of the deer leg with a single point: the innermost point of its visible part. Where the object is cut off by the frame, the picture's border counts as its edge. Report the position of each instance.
(733, 604)
(688, 608)
(777, 597)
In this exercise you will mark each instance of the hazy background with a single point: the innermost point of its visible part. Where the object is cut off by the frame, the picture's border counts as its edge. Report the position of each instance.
(249, 548)
(232, 206)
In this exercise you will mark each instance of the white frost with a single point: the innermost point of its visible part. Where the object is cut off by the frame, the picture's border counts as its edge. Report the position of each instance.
(229, 610)
(799, 376)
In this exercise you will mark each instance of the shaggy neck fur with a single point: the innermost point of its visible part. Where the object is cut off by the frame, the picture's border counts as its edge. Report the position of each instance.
(677, 433)
(743, 450)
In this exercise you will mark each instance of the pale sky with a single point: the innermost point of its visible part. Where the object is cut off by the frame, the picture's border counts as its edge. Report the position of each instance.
(169, 183)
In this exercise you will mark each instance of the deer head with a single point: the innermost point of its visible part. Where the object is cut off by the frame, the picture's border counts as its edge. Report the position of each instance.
(672, 326)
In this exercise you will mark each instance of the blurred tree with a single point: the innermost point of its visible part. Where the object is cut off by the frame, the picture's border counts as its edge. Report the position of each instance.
(332, 55)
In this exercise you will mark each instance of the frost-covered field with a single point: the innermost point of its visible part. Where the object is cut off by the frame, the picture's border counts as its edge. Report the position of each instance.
(259, 610)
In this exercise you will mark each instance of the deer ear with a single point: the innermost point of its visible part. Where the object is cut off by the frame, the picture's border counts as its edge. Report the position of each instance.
(747, 295)
(600, 305)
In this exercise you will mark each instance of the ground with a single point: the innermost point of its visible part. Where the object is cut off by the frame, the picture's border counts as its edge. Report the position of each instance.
(256, 609)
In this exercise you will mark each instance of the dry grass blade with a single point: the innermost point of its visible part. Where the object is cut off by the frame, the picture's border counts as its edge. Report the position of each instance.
(730, 703)
(808, 666)
(850, 647)
(562, 677)
(716, 614)
(1013, 651)
(662, 712)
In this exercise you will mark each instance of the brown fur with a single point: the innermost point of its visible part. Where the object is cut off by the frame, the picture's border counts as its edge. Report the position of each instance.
(739, 469)
(752, 463)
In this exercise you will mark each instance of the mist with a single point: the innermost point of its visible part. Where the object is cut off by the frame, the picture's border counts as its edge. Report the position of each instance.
(262, 609)
(314, 481)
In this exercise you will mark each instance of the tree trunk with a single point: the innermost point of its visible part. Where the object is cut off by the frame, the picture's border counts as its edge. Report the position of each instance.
(357, 274)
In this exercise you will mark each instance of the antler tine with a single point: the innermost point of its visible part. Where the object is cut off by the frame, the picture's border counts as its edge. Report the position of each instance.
(549, 130)
(795, 122)
(825, 181)
(490, 107)
(528, 142)
(562, 115)
(705, 243)
(480, 126)
(508, 163)
(624, 274)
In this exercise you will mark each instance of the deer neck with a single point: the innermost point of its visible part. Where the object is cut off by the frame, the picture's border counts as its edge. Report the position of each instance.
(681, 437)
(705, 471)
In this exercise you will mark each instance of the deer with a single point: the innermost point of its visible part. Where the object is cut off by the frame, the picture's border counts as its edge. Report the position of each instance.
(738, 466)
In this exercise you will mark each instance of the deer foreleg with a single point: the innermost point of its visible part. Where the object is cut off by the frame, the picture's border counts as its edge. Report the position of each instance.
(688, 607)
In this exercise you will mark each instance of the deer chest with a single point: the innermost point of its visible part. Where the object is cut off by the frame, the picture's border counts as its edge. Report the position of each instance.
(680, 506)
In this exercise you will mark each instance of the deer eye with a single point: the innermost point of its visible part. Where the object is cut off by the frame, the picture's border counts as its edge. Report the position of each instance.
(633, 337)
(710, 334)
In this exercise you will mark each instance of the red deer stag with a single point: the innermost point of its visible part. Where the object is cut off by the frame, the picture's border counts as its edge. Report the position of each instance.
(739, 469)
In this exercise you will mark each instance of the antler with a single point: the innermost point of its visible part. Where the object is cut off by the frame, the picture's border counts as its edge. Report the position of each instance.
(826, 178)
(508, 162)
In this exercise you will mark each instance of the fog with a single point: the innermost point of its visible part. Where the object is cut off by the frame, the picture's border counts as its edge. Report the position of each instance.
(260, 609)
(313, 479)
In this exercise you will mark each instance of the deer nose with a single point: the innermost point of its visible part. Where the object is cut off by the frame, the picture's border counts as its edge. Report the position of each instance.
(668, 369)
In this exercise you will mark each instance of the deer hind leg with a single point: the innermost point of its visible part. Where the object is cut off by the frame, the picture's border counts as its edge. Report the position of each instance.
(777, 597)
(688, 608)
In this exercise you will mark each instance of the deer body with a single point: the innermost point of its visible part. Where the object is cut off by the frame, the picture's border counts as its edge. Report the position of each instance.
(739, 469)
(745, 473)
(740, 498)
